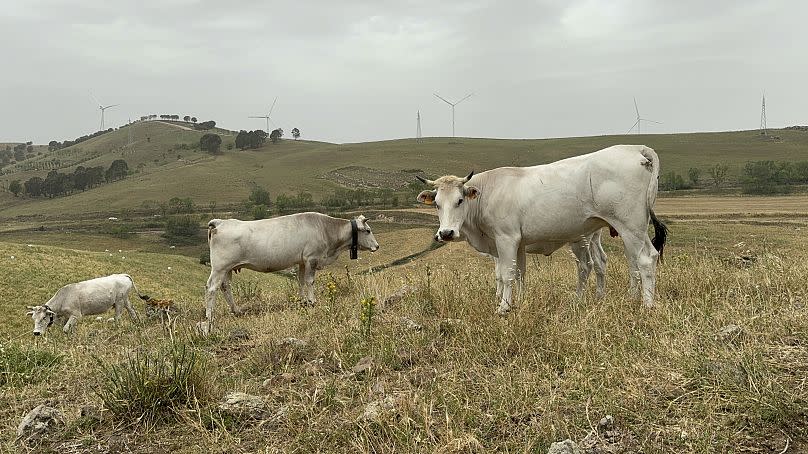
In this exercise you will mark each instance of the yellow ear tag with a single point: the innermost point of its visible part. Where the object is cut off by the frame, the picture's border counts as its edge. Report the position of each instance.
(429, 201)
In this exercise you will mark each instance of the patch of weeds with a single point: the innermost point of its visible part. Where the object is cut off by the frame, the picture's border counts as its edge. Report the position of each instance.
(25, 366)
(151, 387)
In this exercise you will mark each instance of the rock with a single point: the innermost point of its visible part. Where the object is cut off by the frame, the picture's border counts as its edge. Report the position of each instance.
(363, 365)
(564, 447)
(238, 334)
(243, 405)
(39, 421)
(730, 333)
(293, 343)
(376, 410)
(91, 412)
(400, 294)
(606, 423)
(410, 324)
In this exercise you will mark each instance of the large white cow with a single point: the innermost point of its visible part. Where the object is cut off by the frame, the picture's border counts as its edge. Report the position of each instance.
(311, 241)
(91, 297)
(508, 211)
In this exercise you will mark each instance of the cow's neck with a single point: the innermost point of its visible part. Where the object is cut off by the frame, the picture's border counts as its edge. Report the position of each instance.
(342, 239)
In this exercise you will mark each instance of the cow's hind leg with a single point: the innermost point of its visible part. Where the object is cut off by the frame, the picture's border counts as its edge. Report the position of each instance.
(583, 259)
(599, 260)
(227, 289)
(308, 283)
(642, 254)
(214, 284)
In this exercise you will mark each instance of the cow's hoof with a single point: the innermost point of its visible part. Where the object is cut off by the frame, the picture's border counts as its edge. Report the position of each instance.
(503, 311)
(307, 303)
(238, 312)
(648, 305)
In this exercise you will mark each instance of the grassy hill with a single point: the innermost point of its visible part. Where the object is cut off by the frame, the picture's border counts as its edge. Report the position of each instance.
(166, 165)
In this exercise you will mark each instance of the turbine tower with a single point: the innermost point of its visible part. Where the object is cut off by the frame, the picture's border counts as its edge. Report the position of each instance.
(640, 119)
(763, 116)
(268, 114)
(453, 108)
(418, 135)
(102, 108)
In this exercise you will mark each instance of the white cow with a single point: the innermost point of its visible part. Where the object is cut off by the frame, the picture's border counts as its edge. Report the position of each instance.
(91, 297)
(311, 241)
(508, 211)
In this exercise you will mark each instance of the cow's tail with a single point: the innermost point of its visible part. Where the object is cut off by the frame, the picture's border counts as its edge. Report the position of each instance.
(212, 228)
(660, 229)
(140, 295)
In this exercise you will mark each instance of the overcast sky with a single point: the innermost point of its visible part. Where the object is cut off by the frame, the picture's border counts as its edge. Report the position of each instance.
(351, 70)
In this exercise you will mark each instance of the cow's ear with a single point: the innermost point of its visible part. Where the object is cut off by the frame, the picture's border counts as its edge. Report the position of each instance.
(29, 313)
(427, 197)
(471, 192)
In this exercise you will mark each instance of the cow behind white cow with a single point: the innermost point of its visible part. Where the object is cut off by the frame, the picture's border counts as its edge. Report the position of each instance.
(310, 240)
(91, 297)
(514, 210)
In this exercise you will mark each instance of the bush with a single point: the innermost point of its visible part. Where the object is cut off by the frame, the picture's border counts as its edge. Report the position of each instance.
(24, 366)
(211, 143)
(672, 181)
(151, 387)
(182, 229)
(259, 212)
(765, 177)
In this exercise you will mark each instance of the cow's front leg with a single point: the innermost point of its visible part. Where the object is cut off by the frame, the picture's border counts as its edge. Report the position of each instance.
(308, 283)
(508, 271)
(498, 278)
(71, 322)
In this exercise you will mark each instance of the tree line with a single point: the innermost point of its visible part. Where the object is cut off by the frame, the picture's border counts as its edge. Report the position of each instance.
(57, 184)
(755, 177)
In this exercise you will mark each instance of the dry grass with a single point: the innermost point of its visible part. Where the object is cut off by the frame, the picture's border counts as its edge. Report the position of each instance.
(481, 383)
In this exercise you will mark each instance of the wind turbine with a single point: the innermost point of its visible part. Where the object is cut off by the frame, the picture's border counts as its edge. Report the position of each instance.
(267, 115)
(640, 119)
(453, 108)
(102, 108)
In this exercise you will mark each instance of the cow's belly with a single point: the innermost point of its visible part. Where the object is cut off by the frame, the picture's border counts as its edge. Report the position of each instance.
(564, 230)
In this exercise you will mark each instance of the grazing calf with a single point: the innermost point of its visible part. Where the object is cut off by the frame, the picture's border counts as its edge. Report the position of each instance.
(91, 297)
(507, 211)
(311, 241)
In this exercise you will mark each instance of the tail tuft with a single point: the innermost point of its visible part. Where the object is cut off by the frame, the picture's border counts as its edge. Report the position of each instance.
(660, 235)
(144, 297)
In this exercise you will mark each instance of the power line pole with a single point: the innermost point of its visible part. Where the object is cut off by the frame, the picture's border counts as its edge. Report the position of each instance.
(763, 129)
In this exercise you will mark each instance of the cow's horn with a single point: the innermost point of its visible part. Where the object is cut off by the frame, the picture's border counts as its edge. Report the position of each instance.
(466, 180)
(424, 180)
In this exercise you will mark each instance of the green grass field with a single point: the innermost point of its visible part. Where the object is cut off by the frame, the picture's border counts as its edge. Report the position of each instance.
(165, 170)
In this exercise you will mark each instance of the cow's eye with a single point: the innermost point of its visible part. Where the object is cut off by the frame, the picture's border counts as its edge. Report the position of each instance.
(459, 202)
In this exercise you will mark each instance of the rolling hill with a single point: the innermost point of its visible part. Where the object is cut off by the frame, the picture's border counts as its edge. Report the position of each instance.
(166, 164)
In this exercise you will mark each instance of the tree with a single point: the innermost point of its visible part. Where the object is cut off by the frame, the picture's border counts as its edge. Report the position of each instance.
(117, 170)
(80, 180)
(276, 135)
(694, 173)
(210, 143)
(29, 148)
(252, 139)
(259, 196)
(210, 124)
(15, 187)
(295, 133)
(193, 119)
(53, 145)
(186, 118)
(94, 176)
(764, 177)
(671, 181)
(718, 173)
(34, 186)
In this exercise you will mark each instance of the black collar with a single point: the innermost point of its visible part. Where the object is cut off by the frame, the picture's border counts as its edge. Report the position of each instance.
(354, 240)
(50, 313)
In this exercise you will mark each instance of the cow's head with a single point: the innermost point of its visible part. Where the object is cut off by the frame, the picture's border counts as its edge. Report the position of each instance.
(366, 240)
(449, 196)
(43, 318)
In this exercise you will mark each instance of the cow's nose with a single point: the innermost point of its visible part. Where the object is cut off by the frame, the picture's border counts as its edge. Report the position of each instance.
(446, 235)
(37, 333)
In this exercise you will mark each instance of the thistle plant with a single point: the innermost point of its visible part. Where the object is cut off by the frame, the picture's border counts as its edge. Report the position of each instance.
(366, 311)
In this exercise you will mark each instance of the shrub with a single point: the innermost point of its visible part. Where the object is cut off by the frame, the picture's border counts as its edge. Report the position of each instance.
(151, 387)
(181, 229)
(764, 177)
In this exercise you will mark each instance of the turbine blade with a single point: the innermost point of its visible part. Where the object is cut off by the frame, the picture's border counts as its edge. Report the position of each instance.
(467, 97)
(632, 126)
(442, 99)
(111, 105)
(652, 121)
(258, 117)
(94, 98)
(273, 106)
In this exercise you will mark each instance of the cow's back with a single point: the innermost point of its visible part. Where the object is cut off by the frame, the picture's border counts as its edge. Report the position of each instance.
(94, 296)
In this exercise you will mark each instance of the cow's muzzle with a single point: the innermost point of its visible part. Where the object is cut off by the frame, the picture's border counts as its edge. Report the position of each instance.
(445, 235)
(37, 333)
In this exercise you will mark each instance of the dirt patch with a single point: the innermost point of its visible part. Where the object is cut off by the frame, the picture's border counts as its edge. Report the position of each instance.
(366, 177)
